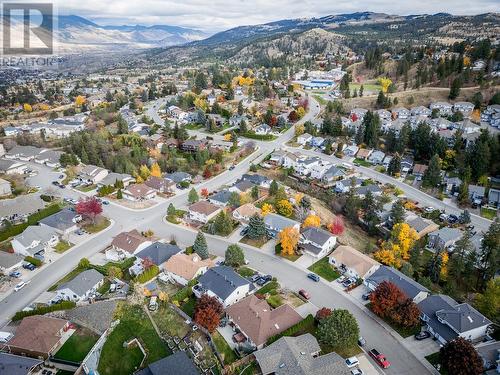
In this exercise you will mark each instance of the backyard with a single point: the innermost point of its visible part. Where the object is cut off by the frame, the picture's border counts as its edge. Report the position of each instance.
(77, 346)
(324, 269)
(228, 355)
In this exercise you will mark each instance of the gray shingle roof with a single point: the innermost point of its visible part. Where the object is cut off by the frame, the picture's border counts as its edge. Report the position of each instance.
(175, 364)
(22, 205)
(159, 252)
(61, 220)
(83, 282)
(35, 233)
(257, 179)
(222, 281)
(5, 165)
(316, 235)
(434, 303)
(11, 364)
(221, 196)
(448, 234)
(463, 317)
(278, 222)
(409, 286)
(294, 356)
(8, 260)
(179, 176)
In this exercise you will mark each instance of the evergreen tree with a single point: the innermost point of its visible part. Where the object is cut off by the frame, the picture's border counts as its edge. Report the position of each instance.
(193, 196)
(371, 209)
(171, 211)
(456, 85)
(223, 224)
(234, 256)
(432, 176)
(352, 203)
(256, 227)
(463, 193)
(241, 110)
(119, 194)
(255, 192)
(464, 217)
(490, 251)
(398, 212)
(200, 246)
(273, 188)
(394, 166)
(371, 125)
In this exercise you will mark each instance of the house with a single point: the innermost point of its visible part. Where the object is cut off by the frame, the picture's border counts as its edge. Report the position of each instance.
(23, 153)
(193, 145)
(179, 177)
(175, 364)
(376, 157)
(277, 157)
(401, 113)
(316, 242)
(19, 365)
(476, 193)
(241, 186)
(494, 197)
(263, 129)
(364, 153)
(257, 179)
(332, 174)
(352, 262)
(406, 164)
(138, 192)
(39, 336)
(361, 191)
(113, 177)
(446, 319)
(10, 131)
(465, 107)
(358, 114)
(203, 211)
(34, 240)
(290, 160)
(304, 166)
(49, 157)
(408, 286)
(224, 283)
(304, 139)
(237, 119)
(10, 262)
(221, 198)
(160, 185)
(452, 184)
(12, 167)
(443, 108)
(258, 321)
(63, 222)
(18, 209)
(92, 174)
(419, 170)
(5, 188)
(343, 186)
(383, 114)
(351, 150)
(299, 355)
(158, 252)
(421, 111)
(317, 141)
(245, 212)
(126, 245)
(490, 354)
(443, 238)
(276, 223)
(421, 225)
(82, 287)
(386, 161)
(182, 268)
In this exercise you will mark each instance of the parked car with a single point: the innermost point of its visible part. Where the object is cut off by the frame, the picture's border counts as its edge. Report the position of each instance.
(264, 279)
(231, 167)
(347, 283)
(313, 277)
(357, 371)
(341, 279)
(29, 266)
(79, 232)
(304, 294)
(379, 358)
(361, 341)
(244, 231)
(105, 203)
(56, 183)
(422, 335)
(351, 362)
(429, 209)
(254, 278)
(20, 286)
(443, 217)
(366, 296)
(153, 304)
(15, 274)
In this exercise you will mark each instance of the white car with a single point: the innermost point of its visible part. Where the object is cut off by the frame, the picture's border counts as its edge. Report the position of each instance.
(20, 286)
(429, 209)
(357, 371)
(351, 362)
(341, 279)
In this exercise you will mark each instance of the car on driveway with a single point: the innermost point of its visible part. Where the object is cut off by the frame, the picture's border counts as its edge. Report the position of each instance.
(352, 362)
(341, 279)
(422, 335)
(379, 358)
(244, 231)
(361, 341)
(366, 296)
(20, 286)
(347, 283)
(429, 209)
(29, 266)
(15, 274)
(313, 277)
(304, 294)
(254, 278)
(264, 279)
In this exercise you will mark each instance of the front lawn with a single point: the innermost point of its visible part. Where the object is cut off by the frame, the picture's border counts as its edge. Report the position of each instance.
(275, 301)
(100, 224)
(324, 269)
(245, 271)
(86, 189)
(255, 243)
(228, 354)
(62, 246)
(488, 213)
(269, 288)
(77, 346)
(362, 162)
(174, 218)
(134, 323)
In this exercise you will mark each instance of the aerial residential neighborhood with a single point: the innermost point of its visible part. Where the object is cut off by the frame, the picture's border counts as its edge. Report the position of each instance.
(311, 195)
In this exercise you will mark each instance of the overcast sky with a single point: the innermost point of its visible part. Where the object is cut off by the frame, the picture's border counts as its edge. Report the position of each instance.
(217, 15)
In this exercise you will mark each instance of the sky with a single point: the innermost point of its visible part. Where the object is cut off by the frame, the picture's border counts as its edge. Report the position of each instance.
(217, 15)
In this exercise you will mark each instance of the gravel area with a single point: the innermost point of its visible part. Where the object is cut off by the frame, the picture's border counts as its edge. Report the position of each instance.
(97, 316)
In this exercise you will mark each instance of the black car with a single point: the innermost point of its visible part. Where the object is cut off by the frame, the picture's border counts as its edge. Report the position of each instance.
(452, 219)
(264, 279)
(244, 231)
(422, 335)
(29, 266)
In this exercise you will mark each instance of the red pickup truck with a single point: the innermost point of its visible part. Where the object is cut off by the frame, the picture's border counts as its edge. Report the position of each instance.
(379, 358)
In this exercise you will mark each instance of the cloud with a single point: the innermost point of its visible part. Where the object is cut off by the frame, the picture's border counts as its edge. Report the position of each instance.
(217, 15)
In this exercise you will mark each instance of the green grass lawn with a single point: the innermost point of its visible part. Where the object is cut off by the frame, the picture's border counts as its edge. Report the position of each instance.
(488, 213)
(362, 162)
(193, 126)
(77, 347)
(275, 301)
(324, 269)
(188, 306)
(134, 323)
(255, 243)
(62, 246)
(99, 225)
(366, 87)
(105, 287)
(86, 189)
(169, 322)
(434, 360)
(269, 287)
(245, 271)
(228, 354)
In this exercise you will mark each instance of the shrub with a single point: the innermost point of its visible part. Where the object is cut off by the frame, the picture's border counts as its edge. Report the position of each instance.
(65, 305)
(36, 262)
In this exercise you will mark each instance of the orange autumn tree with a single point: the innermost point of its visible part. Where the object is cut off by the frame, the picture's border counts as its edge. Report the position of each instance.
(80, 100)
(397, 249)
(312, 221)
(289, 238)
(267, 209)
(155, 170)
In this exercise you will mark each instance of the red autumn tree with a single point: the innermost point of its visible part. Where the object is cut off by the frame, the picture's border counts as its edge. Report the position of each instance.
(207, 173)
(385, 298)
(147, 263)
(337, 226)
(207, 312)
(406, 314)
(354, 117)
(204, 193)
(461, 358)
(89, 208)
(293, 116)
(304, 103)
(323, 313)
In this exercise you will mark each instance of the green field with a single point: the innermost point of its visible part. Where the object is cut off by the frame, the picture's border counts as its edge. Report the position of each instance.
(324, 269)
(76, 347)
(366, 87)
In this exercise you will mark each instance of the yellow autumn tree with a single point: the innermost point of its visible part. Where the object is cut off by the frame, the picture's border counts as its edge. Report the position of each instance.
(155, 170)
(267, 209)
(466, 61)
(284, 207)
(312, 221)
(227, 137)
(288, 238)
(385, 256)
(443, 272)
(201, 103)
(298, 197)
(299, 129)
(245, 198)
(80, 100)
(44, 107)
(301, 112)
(405, 237)
(385, 83)
(27, 107)
(144, 172)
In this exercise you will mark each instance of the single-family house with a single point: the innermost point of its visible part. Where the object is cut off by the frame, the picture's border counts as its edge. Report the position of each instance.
(451, 185)
(419, 170)
(447, 319)
(10, 262)
(5, 188)
(182, 268)
(12, 167)
(316, 242)
(23, 153)
(304, 166)
(241, 186)
(386, 161)
(290, 160)
(34, 240)
(421, 225)
(361, 191)
(351, 150)
(490, 354)
(18, 209)
(345, 185)
(299, 355)
(193, 145)
(126, 245)
(236, 120)
(92, 174)
(138, 192)
(401, 113)
(494, 197)
(443, 238)
(352, 262)
(63, 222)
(112, 178)
(203, 211)
(49, 157)
(19, 365)
(383, 114)
(257, 321)
(376, 157)
(263, 129)
(221, 198)
(82, 287)
(317, 141)
(160, 185)
(465, 107)
(257, 179)
(39, 336)
(443, 108)
(179, 177)
(174, 364)
(158, 253)
(224, 283)
(358, 114)
(245, 212)
(408, 286)
(364, 153)
(476, 193)
(406, 164)
(421, 111)
(304, 139)
(333, 173)
(276, 223)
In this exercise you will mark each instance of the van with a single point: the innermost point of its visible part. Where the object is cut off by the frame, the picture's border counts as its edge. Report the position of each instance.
(112, 288)
(5, 336)
(153, 304)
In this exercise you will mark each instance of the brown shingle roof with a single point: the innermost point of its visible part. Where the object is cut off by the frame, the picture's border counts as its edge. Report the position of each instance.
(38, 333)
(248, 210)
(138, 190)
(258, 321)
(203, 207)
(185, 265)
(128, 241)
(354, 259)
(159, 183)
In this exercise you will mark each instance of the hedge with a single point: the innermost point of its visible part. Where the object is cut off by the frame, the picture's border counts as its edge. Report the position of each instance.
(64, 305)
(307, 322)
(34, 261)
(14, 230)
(262, 137)
(148, 274)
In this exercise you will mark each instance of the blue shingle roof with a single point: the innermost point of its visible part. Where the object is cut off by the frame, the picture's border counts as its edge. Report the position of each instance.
(222, 281)
(159, 252)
